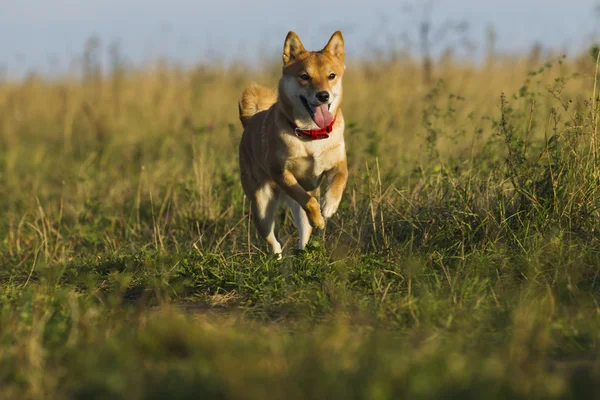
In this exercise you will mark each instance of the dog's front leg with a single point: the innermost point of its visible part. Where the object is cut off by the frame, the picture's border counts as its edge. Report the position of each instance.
(288, 182)
(336, 183)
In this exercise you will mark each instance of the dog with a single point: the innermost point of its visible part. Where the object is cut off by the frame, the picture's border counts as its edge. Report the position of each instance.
(294, 139)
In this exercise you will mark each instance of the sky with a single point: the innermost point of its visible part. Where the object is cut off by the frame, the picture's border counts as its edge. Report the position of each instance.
(44, 35)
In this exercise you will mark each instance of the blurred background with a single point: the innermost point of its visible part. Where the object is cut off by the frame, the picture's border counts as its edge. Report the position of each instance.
(48, 37)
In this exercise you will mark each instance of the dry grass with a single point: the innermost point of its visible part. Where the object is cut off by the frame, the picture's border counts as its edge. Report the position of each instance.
(463, 263)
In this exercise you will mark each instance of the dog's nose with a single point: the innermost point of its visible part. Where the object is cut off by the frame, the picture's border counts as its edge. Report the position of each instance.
(323, 97)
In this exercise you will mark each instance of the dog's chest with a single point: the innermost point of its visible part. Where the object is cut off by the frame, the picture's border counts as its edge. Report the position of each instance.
(308, 171)
(310, 165)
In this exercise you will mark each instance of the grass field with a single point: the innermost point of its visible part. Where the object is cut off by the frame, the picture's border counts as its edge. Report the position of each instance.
(464, 262)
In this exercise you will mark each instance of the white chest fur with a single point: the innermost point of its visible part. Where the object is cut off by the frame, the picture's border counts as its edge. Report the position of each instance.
(310, 160)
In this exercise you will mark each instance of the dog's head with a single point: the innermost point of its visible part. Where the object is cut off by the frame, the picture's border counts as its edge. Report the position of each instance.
(311, 84)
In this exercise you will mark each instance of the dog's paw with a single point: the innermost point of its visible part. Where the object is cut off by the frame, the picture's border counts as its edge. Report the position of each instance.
(329, 207)
(315, 219)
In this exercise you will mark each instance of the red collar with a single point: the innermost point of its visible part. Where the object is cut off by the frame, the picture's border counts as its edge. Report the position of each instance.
(313, 134)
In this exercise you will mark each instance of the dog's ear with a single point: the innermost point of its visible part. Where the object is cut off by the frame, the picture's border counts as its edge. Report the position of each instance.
(292, 48)
(335, 46)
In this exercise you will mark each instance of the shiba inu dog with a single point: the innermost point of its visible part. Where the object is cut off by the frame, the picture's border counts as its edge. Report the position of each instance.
(294, 139)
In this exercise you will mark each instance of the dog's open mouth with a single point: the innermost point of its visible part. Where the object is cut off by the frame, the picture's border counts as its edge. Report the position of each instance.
(319, 113)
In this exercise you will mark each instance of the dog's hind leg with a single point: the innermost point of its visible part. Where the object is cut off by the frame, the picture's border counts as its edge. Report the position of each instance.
(264, 205)
(301, 222)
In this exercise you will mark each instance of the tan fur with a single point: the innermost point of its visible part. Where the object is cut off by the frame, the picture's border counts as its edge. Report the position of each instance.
(277, 165)
(255, 98)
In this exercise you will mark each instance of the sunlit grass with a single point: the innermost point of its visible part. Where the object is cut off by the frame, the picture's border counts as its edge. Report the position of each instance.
(464, 261)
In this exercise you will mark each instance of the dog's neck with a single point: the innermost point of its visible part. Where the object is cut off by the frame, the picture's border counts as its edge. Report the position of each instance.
(285, 112)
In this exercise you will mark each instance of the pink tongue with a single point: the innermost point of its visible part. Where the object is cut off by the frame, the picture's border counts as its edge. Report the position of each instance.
(322, 116)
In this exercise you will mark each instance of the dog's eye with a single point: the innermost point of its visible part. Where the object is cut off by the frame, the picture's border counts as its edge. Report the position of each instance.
(304, 77)
(331, 76)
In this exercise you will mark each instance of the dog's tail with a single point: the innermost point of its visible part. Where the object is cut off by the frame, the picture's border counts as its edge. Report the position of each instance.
(256, 98)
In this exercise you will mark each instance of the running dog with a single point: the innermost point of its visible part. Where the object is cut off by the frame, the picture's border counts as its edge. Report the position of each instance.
(294, 138)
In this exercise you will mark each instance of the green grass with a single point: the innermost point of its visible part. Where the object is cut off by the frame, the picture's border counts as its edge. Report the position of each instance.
(464, 261)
